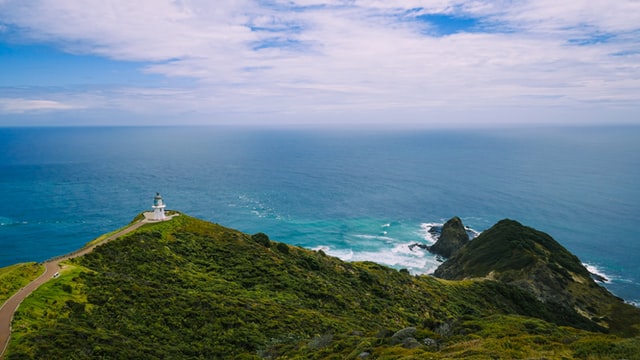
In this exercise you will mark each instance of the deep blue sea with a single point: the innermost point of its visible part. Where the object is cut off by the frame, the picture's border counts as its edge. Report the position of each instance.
(359, 195)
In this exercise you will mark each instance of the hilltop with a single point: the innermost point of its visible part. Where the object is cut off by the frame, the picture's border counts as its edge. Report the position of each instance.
(188, 288)
(533, 261)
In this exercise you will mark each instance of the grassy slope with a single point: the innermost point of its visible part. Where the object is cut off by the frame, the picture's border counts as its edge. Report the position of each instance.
(509, 246)
(48, 304)
(14, 277)
(528, 258)
(187, 289)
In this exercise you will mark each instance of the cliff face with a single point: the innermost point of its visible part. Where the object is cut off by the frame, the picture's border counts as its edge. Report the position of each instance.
(533, 261)
(452, 238)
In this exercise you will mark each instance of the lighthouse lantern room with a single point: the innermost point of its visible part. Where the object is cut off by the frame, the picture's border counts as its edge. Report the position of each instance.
(158, 207)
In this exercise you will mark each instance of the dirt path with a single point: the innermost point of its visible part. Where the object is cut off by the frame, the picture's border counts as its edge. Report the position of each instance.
(51, 268)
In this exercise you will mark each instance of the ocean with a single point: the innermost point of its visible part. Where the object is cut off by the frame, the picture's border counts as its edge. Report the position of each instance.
(358, 195)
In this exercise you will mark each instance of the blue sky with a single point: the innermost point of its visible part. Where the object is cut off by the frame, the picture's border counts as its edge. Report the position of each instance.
(443, 63)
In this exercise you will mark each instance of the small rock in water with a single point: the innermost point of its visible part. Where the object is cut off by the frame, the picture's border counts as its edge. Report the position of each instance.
(421, 246)
(435, 229)
(598, 277)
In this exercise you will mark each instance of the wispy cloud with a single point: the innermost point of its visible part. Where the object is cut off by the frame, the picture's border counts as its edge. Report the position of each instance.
(19, 106)
(354, 57)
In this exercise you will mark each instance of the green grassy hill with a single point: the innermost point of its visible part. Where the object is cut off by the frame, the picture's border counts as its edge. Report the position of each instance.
(533, 261)
(189, 289)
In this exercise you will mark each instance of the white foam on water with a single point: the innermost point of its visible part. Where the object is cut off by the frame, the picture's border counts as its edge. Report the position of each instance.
(595, 270)
(406, 249)
(426, 235)
(432, 238)
(399, 256)
(321, 248)
(391, 247)
(5, 221)
(391, 258)
(472, 232)
(386, 239)
(627, 281)
(342, 254)
(635, 303)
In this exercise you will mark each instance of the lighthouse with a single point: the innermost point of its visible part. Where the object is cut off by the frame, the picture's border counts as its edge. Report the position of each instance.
(158, 208)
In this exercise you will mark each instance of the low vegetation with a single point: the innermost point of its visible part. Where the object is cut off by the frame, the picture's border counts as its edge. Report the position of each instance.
(187, 289)
(533, 261)
(15, 277)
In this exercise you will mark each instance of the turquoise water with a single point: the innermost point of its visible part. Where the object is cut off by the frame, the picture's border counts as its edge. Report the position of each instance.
(356, 195)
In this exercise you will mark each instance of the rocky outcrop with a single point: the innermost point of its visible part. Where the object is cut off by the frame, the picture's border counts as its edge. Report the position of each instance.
(452, 238)
(406, 337)
(533, 261)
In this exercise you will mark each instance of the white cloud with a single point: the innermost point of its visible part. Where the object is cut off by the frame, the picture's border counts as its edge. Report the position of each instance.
(18, 105)
(311, 55)
(604, 16)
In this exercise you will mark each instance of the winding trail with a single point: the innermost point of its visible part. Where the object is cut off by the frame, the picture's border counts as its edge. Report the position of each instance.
(51, 268)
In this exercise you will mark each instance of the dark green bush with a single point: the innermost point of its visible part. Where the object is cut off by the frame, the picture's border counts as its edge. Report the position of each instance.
(262, 239)
(283, 248)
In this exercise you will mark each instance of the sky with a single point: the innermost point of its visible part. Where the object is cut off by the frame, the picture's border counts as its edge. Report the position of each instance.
(441, 63)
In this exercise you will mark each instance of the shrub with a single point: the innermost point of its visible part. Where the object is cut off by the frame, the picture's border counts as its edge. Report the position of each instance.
(262, 239)
(283, 248)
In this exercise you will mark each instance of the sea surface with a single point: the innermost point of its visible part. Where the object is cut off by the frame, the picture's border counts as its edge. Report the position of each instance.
(358, 195)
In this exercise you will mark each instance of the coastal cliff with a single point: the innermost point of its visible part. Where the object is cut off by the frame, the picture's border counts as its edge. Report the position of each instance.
(187, 288)
(533, 261)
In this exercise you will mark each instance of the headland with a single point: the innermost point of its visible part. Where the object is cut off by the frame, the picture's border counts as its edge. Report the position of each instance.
(188, 288)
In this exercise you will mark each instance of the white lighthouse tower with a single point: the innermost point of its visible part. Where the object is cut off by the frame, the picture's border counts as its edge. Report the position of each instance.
(158, 208)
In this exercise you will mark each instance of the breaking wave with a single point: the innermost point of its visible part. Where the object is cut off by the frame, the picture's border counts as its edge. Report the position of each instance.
(599, 274)
(391, 244)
